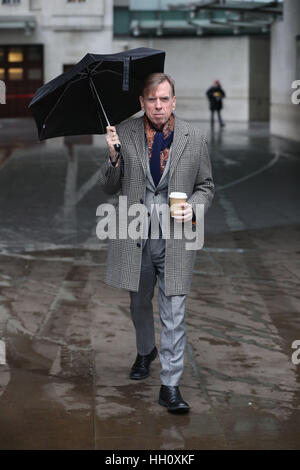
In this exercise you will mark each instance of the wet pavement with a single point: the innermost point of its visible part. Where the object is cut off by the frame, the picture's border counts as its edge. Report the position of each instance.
(69, 339)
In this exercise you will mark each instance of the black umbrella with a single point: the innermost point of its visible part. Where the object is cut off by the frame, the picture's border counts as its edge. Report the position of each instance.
(99, 90)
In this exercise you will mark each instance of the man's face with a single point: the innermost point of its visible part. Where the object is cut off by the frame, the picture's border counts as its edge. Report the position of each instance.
(158, 103)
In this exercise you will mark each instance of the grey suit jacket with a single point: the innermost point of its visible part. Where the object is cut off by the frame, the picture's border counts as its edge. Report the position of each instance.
(189, 171)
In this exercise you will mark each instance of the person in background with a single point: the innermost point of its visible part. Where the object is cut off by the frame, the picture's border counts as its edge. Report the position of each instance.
(215, 95)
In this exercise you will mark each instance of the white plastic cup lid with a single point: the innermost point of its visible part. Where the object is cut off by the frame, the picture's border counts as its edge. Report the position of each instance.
(176, 195)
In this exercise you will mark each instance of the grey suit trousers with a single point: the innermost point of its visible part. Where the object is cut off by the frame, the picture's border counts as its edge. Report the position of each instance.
(171, 312)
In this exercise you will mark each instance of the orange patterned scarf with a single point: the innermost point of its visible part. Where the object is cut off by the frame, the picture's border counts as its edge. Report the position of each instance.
(150, 132)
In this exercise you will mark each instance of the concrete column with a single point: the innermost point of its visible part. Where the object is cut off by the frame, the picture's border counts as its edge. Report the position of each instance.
(259, 78)
(285, 116)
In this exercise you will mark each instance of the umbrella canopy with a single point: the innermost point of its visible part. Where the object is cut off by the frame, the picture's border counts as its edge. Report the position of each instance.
(98, 91)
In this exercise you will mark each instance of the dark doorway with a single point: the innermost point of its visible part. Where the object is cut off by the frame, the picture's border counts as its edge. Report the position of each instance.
(21, 68)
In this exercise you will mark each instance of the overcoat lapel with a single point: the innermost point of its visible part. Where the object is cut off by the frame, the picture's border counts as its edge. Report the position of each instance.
(138, 134)
(179, 142)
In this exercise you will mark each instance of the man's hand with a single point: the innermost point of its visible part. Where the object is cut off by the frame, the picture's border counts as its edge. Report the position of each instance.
(183, 212)
(112, 139)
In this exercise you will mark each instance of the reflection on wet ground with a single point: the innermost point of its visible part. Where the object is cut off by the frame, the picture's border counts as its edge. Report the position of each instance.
(69, 346)
(69, 339)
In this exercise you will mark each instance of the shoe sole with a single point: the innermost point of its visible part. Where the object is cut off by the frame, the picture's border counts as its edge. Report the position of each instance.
(177, 409)
(139, 378)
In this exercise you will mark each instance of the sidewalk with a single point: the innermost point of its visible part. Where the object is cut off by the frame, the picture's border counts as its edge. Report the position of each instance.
(69, 338)
(70, 345)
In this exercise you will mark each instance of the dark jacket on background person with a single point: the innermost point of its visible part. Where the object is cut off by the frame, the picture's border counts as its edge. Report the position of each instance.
(215, 94)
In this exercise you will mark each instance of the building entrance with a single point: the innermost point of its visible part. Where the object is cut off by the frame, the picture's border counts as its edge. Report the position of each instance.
(21, 69)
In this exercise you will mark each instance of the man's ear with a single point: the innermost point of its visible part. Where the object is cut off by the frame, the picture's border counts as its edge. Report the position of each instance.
(174, 102)
(141, 102)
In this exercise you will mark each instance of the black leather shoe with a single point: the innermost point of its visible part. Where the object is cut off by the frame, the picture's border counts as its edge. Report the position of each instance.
(140, 369)
(171, 398)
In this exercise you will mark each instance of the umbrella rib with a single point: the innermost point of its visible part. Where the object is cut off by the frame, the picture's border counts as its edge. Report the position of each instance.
(59, 99)
(81, 76)
(68, 86)
(96, 66)
(94, 89)
(108, 70)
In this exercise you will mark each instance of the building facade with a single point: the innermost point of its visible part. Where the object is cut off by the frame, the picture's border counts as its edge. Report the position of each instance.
(39, 39)
(249, 46)
(225, 40)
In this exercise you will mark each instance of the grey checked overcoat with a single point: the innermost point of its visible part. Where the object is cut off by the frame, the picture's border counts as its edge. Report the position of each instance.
(189, 172)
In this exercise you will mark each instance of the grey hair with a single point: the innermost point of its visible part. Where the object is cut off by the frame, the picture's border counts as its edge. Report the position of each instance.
(155, 79)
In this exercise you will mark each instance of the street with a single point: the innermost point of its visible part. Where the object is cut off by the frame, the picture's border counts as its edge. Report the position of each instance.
(68, 337)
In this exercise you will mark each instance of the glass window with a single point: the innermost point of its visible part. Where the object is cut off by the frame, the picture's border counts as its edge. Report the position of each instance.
(2, 74)
(34, 74)
(15, 54)
(34, 54)
(15, 73)
(1, 54)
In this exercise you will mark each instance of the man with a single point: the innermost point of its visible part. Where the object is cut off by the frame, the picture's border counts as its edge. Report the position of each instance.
(215, 95)
(160, 154)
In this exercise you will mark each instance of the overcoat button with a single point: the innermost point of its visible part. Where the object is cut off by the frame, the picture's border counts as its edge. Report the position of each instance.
(141, 201)
(138, 245)
(156, 193)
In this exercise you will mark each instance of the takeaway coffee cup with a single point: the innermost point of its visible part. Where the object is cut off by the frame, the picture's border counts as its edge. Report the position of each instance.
(176, 198)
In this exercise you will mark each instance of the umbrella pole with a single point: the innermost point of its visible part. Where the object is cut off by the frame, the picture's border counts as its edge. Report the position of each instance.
(94, 89)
